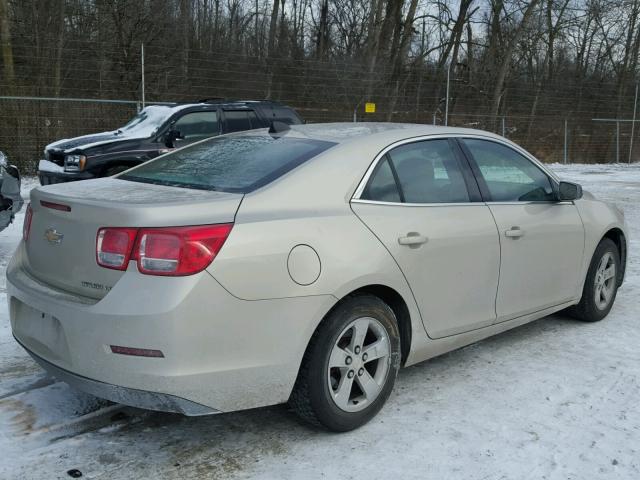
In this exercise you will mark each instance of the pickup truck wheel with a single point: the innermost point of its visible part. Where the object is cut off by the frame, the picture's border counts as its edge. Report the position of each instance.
(110, 172)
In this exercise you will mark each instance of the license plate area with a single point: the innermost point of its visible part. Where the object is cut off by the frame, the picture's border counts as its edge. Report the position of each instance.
(40, 332)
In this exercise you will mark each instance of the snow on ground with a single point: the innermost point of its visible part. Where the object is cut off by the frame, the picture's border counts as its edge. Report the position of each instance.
(556, 399)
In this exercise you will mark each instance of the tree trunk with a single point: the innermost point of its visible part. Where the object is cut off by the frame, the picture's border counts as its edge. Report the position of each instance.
(322, 38)
(506, 61)
(407, 34)
(57, 75)
(273, 24)
(7, 50)
(185, 17)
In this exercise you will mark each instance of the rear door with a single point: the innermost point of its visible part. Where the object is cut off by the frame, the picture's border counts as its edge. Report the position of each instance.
(542, 240)
(240, 120)
(423, 204)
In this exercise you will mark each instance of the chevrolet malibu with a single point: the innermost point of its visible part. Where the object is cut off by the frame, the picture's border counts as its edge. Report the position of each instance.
(302, 264)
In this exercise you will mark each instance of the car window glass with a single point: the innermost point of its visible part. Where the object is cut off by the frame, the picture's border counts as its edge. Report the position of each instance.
(429, 172)
(382, 187)
(286, 115)
(198, 125)
(234, 163)
(509, 175)
(240, 120)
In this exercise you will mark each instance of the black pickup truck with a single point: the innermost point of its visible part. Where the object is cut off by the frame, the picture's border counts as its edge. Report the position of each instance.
(10, 200)
(153, 131)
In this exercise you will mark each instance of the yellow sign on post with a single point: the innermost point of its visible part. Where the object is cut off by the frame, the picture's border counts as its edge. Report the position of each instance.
(370, 107)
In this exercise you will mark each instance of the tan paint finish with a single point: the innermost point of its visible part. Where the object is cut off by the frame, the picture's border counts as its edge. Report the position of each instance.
(303, 265)
(454, 275)
(235, 334)
(538, 269)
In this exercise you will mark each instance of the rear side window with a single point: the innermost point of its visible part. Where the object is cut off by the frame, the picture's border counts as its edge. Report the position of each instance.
(425, 172)
(509, 176)
(239, 163)
(383, 186)
(286, 115)
(240, 120)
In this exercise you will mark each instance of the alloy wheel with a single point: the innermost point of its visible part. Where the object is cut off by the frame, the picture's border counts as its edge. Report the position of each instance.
(605, 281)
(359, 364)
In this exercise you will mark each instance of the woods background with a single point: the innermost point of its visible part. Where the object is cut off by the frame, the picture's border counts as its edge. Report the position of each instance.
(522, 67)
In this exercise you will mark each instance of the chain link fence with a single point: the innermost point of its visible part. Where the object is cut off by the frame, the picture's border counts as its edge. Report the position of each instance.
(28, 124)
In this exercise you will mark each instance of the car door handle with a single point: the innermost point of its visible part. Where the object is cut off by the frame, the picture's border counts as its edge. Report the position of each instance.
(514, 232)
(412, 239)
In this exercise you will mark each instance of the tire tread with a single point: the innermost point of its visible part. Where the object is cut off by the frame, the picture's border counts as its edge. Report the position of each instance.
(300, 400)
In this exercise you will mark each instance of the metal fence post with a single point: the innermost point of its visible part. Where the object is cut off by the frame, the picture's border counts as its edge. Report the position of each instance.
(503, 127)
(617, 141)
(142, 62)
(446, 103)
(566, 136)
(633, 123)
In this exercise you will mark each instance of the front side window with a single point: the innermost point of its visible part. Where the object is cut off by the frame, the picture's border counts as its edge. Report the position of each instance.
(421, 172)
(198, 125)
(509, 176)
(237, 163)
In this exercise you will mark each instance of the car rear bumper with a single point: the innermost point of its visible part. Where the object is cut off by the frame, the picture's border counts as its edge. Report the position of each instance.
(220, 353)
(127, 396)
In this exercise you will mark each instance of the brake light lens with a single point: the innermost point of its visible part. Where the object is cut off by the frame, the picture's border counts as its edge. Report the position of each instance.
(179, 251)
(113, 247)
(168, 251)
(55, 206)
(26, 226)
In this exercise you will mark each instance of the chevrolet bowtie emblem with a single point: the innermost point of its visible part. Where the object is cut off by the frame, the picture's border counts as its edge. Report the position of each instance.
(53, 236)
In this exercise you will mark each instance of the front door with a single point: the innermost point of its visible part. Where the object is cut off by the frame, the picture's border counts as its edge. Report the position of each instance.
(196, 126)
(421, 207)
(542, 240)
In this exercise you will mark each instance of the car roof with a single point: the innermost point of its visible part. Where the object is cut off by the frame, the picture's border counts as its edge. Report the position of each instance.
(224, 102)
(346, 132)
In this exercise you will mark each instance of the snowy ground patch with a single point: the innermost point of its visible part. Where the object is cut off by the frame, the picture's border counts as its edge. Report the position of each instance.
(554, 399)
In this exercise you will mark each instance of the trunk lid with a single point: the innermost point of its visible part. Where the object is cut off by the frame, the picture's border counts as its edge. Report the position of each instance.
(61, 249)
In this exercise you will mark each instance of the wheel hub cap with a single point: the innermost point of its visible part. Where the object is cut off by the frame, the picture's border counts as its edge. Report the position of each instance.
(359, 364)
(605, 281)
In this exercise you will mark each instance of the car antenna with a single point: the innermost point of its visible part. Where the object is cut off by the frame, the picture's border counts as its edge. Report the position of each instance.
(278, 127)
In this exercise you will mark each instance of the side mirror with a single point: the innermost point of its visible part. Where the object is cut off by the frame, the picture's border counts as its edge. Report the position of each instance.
(171, 137)
(568, 191)
(13, 171)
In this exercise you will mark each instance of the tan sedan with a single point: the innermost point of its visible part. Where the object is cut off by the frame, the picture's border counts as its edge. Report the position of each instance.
(303, 264)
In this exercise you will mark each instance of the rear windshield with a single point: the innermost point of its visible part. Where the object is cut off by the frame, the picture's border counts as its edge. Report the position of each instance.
(229, 164)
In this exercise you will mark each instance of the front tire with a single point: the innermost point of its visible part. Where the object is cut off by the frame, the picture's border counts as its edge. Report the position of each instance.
(350, 365)
(601, 284)
(110, 172)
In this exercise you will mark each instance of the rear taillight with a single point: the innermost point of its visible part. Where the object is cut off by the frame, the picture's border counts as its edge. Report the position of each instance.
(26, 226)
(174, 251)
(114, 246)
(179, 250)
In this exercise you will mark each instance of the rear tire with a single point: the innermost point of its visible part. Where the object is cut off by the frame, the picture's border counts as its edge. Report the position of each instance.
(350, 365)
(601, 284)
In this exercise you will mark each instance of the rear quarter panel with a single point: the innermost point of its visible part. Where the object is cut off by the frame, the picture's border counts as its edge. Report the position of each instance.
(309, 206)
